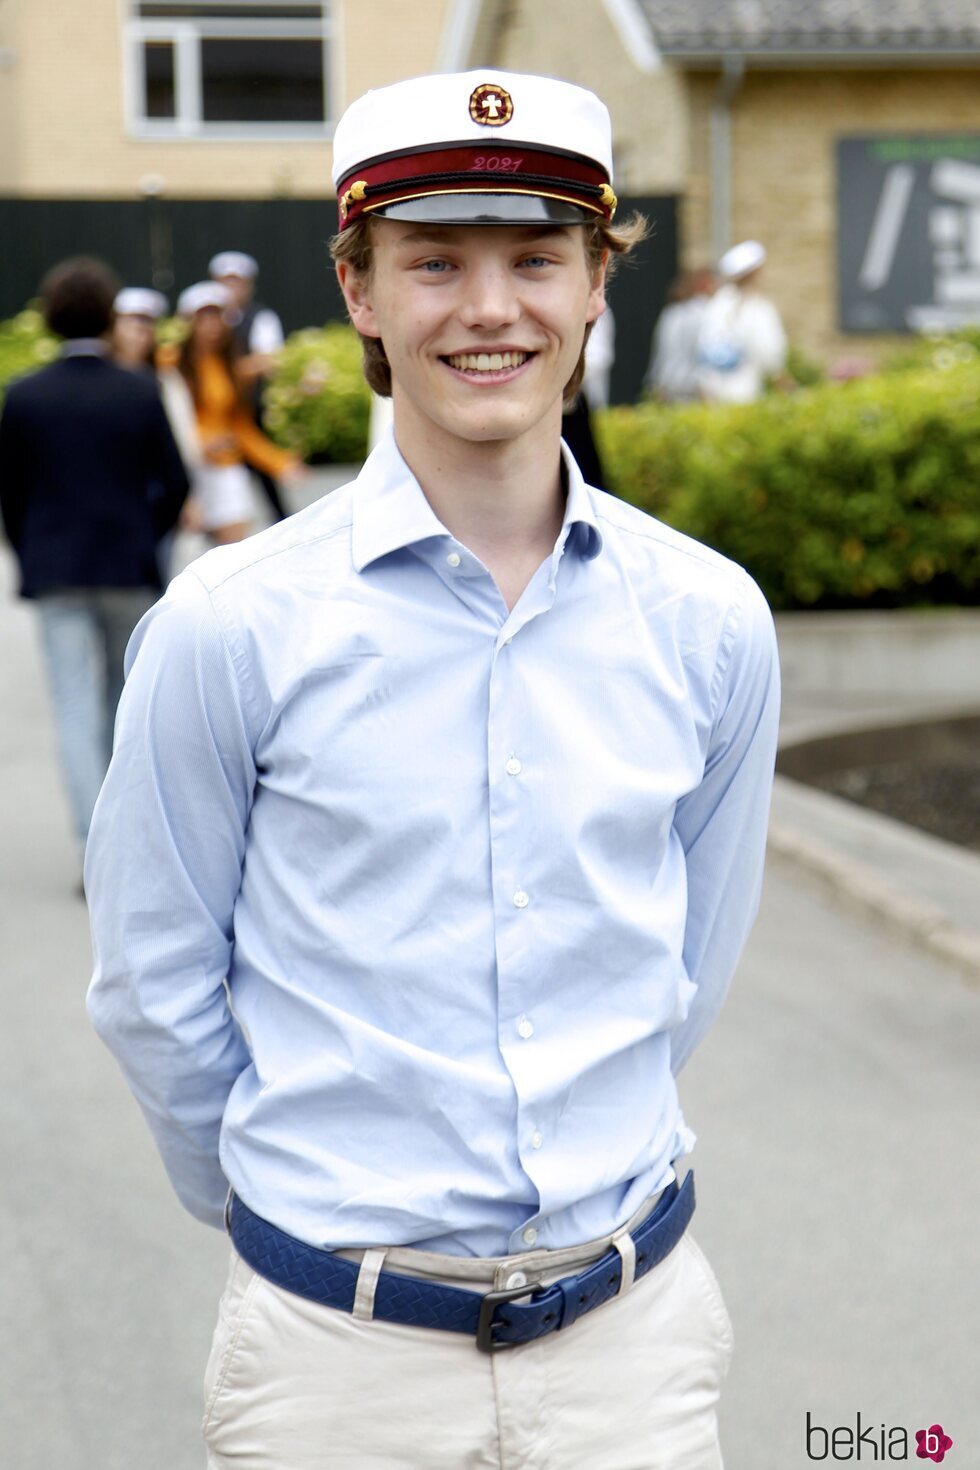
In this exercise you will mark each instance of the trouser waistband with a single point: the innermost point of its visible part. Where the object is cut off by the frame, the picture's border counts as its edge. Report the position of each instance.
(326, 1277)
(541, 1264)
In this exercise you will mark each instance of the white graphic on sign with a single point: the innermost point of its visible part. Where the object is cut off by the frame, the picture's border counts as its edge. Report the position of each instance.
(954, 234)
(955, 230)
(886, 227)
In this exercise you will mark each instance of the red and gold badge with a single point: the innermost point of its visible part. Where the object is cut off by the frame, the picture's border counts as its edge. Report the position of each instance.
(491, 106)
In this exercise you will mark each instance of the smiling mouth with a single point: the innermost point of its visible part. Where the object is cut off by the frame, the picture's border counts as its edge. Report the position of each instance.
(487, 362)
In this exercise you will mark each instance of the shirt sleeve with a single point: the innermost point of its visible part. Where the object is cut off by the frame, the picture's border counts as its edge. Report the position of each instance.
(766, 336)
(163, 870)
(266, 334)
(722, 823)
(258, 450)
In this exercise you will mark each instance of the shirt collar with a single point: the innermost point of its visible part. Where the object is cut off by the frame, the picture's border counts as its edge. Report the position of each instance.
(85, 347)
(581, 524)
(391, 512)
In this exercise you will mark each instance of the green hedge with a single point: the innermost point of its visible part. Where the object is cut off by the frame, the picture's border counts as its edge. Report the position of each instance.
(318, 403)
(847, 495)
(25, 346)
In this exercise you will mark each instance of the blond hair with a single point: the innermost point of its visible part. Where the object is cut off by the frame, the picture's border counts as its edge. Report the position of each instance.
(355, 247)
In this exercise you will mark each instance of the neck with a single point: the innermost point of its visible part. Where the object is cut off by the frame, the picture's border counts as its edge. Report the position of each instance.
(503, 499)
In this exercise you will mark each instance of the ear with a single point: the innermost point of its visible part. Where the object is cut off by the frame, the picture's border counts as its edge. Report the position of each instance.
(597, 291)
(357, 295)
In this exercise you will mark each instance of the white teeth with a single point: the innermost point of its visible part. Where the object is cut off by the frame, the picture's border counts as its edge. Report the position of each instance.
(486, 362)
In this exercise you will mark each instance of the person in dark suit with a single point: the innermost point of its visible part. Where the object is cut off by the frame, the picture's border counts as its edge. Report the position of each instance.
(90, 480)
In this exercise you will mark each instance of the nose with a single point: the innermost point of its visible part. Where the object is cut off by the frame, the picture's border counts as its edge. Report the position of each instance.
(490, 298)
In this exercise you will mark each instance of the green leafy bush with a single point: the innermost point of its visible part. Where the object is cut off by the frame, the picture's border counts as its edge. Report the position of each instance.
(25, 345)
(920, 354)
(847, 495)
(318, 403)
(804, 370)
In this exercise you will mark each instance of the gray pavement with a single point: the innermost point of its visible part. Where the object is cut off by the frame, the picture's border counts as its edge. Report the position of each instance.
(836, 1099)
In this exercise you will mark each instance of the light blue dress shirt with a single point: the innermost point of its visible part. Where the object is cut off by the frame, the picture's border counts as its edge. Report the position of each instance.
(407, 909)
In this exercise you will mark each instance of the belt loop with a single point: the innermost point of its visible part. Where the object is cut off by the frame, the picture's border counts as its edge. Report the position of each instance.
(367, 1284)
(626, 1246)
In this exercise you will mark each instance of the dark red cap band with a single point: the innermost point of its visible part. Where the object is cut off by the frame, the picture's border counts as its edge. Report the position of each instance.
(475, 168)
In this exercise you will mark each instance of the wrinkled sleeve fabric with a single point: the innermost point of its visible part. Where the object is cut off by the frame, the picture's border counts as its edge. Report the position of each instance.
(163, 870)
(722, 823)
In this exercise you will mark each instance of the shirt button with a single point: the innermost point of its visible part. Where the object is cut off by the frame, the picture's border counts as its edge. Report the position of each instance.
(536, 1140)
(514, 1280)
(513, 766)
(521, 899)
(525, 1028)
(453, 558)
(530, 1235)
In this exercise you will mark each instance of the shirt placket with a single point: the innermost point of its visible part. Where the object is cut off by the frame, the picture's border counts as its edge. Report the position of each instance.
(512, 765)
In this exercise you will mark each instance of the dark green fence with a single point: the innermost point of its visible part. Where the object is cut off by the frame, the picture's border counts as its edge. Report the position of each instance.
(168, 243)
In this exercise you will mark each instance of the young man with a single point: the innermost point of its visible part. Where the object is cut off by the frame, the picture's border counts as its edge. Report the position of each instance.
(432, 836)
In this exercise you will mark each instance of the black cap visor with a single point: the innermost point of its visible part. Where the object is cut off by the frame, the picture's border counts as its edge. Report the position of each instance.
(487, 209)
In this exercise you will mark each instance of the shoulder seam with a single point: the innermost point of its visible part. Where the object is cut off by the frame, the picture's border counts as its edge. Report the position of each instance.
(269, 555)
(692, 548)
(236, 656)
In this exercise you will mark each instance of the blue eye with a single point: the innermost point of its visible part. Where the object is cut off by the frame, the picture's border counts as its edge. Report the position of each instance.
(436, 267)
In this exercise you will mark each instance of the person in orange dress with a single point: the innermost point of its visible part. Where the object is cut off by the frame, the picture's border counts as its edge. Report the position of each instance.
(221, 503)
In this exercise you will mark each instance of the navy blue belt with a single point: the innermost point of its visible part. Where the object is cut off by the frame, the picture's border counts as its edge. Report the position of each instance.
(498, 1319)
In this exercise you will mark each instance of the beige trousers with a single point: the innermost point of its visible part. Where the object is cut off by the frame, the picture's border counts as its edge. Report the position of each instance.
(634, 1385)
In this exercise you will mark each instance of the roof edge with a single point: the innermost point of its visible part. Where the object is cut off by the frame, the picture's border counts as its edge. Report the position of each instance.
(716, 56)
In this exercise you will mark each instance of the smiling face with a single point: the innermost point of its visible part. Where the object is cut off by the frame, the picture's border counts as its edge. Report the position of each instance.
(482, 325)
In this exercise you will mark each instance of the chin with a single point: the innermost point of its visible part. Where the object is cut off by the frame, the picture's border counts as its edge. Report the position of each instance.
(500, 423)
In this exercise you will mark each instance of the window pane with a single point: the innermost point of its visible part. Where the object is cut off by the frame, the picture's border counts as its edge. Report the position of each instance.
(169, 9)
(158, 64)
(262, 80)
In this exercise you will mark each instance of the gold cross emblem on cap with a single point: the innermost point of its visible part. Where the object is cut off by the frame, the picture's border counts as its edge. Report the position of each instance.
(491, 106)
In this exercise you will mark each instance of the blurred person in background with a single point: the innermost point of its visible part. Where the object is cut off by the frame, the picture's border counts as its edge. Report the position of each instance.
(600, 356)
(229, 439)
(672, 375)
(138, 309)
(90, 481)
(576, 425)
(134, 345)
(259, 338)
(741, 341)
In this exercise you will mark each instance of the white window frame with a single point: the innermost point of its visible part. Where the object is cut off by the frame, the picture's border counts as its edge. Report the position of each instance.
(186, 36)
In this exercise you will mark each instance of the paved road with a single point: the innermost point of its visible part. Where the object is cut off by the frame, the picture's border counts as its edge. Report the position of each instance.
(837, 1101)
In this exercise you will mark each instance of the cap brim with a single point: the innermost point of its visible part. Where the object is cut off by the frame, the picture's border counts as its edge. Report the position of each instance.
(486, 209)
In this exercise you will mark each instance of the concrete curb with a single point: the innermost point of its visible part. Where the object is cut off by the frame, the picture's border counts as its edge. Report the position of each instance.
(924, 920)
